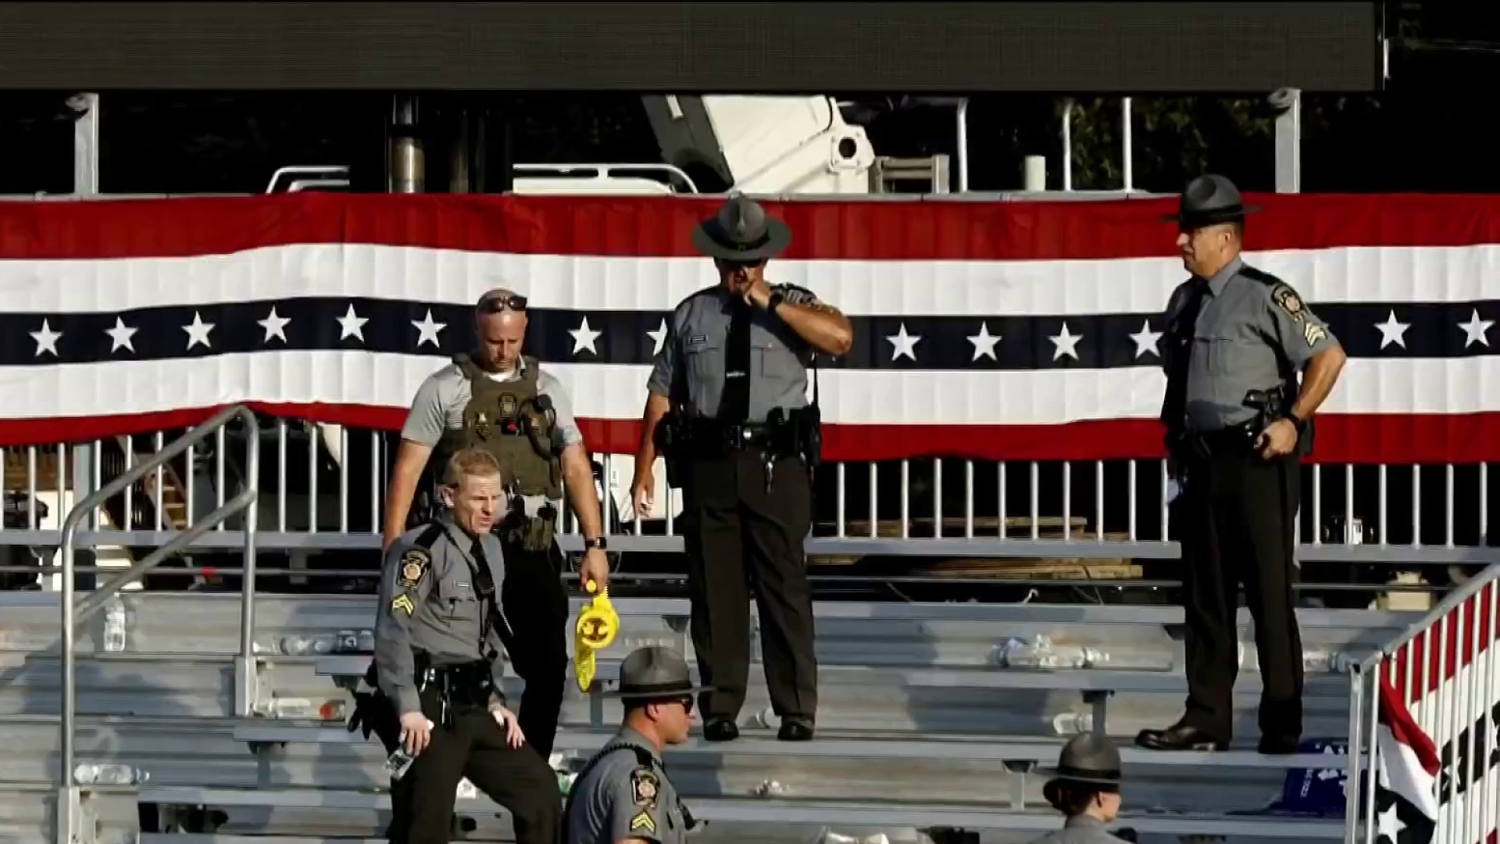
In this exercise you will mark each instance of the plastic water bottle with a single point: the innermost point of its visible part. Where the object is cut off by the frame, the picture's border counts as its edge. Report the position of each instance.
(114, 625)
(108, 774)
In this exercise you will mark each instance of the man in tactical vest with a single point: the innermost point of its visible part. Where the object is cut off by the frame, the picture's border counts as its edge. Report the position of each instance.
(623, 794)
(1086, 789)
(496, 399)
(1237, 422)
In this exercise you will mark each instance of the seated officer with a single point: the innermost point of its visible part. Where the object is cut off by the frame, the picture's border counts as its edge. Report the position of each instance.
(439, 660)
(1086, 789)
(623, 795)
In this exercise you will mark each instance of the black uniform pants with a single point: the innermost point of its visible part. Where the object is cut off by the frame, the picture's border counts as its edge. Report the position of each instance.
(536, 605)
(474, 747)
(1238, 513)
(741, 536)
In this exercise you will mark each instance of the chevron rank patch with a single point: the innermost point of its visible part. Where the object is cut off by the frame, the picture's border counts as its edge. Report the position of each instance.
(643, 821)
(404, 604)
(1312, 332)
(414, 565)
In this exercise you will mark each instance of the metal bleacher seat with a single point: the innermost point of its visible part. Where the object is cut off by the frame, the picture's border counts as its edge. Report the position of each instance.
(920, 726)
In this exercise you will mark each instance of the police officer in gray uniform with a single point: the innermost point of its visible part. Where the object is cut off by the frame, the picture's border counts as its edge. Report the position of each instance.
(498, 399)
(623, 793)
(1238, 419)
(743, 441)
(439, 658)
(1086, 789)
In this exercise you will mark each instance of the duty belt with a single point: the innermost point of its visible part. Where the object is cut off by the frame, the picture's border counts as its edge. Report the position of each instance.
(465, 684)
(711, 435)
(1234, 439)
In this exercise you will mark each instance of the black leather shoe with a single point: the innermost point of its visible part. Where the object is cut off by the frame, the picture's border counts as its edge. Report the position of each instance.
(1277, 746)
(1179, 737)
(720, 729)
(795, 729)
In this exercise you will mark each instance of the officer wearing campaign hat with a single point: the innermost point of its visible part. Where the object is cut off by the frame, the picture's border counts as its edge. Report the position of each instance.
(727, 406)
(1086, 788)
(623, 793)
(1247, 365)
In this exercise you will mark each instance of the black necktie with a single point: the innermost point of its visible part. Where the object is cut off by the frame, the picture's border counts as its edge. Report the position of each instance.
(734, 403)
(1179, 349)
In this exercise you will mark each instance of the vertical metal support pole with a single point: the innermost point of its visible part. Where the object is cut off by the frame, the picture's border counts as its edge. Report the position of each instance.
(1130, 499)
(408, 165)
(905, 499)
(937, 498)
(1067, 501)
(1036, 483)
(1099, 500)
(962, 117)
(1000, 482)
(1352, 764)
(1317, 507)
(1384, 535)
(83, 480)
(968, 499)
(1125, 153)
(1373, 751)
(1288, 102)
(838, 519)
(67, 794)
(246, 702)
(1067, 144)
(874, 502)
(85, 144)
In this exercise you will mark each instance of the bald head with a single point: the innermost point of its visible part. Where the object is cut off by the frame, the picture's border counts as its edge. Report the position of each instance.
(500, 327)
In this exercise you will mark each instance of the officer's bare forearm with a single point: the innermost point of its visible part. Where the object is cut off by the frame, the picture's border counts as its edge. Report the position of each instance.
(1317, 382)
(578, 476)
(822, 326)
(411, 459)
(656, 407)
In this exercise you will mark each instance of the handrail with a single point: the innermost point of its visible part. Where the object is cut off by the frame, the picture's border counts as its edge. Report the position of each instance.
(1445, 606)
(604, 170)
(71, 615)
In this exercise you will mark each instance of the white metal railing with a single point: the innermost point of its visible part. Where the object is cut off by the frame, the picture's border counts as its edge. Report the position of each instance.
(68, 804)
(328, 485)
(1442, 670)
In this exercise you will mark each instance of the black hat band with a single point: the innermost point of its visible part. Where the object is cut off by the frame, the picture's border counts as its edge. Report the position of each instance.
(682, 686)
(1072, 771)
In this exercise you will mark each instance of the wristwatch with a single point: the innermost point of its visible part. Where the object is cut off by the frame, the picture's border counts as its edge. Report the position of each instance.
(597, 542)
(776, 299)
(1299, 424)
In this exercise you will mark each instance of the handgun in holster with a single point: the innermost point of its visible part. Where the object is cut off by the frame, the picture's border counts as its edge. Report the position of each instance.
(1272, 404)
(670, 439)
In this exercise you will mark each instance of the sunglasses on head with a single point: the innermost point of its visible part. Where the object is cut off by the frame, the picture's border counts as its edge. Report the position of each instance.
(500, 303)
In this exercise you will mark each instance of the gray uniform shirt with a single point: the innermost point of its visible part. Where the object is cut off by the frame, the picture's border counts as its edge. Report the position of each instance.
(1080, 829)
(620, 799)
(1251, 329)
(428, 601)
(440, 400)
(691, 366)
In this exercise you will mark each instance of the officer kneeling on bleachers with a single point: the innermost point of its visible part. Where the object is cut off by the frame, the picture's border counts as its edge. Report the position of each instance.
(1086, 788)
(439, 658)
(623, 795)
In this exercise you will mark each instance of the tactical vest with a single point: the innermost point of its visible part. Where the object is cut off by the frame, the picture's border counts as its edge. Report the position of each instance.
(512, 422)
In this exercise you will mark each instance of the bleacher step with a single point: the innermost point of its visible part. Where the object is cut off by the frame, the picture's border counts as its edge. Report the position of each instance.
(733, 810)
(847, 745)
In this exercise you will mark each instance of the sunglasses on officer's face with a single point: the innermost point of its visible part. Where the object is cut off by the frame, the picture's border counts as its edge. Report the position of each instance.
(741, 265)
(498, 304)
(685, 700)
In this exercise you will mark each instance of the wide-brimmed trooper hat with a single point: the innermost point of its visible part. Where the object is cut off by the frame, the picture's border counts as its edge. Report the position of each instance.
(1087, 759)
(654, 672)
(1207, 200)
(741, 231)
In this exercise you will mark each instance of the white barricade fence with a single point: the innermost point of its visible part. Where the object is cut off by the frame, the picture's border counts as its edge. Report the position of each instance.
(323, 489)
(1426, 708)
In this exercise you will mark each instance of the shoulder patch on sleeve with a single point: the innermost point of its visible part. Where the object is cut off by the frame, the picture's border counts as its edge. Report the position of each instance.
(1286, 298)
(795, 294)
(414, 566)
(644, 787)
(403, 604)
